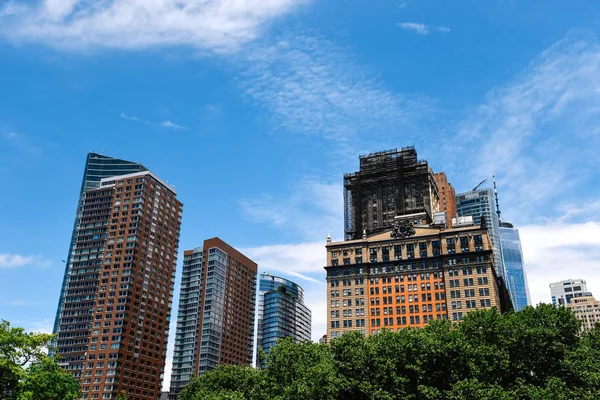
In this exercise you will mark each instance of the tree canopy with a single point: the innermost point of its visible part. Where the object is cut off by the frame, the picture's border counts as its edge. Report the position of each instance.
(26, 370)
(537, 353)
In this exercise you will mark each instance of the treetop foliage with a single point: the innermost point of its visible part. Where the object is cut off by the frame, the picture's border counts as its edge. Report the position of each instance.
(537, 353)
(26, 370)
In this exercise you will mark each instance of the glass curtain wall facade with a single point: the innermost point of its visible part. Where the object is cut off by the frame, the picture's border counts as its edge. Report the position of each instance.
(477, 204)
(515, 269)
(97, 167)
(281, 313)
(187, 334)
(215, 321)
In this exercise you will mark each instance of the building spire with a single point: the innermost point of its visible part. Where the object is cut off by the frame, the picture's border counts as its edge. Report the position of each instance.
(497, 202)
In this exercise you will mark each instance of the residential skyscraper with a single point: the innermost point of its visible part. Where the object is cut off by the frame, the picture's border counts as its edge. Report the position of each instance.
(512, 255)
(409, 276)
(447, 197)
(215, 321)
(478, 204)
(97, 166)
(281, 312)
(388, 184)
(113, 321)
(564, 291)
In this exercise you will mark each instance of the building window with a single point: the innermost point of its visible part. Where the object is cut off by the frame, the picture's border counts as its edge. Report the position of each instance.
(464, 244)
(451, 245)
(478, 241)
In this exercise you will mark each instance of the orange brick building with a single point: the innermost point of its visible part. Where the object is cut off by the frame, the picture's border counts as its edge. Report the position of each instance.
(447, 196)
(409, 276)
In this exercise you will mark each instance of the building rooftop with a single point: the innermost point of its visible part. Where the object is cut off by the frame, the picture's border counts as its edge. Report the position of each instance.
(109, 180)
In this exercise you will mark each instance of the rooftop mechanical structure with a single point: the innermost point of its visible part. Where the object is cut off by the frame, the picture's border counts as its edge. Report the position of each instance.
(389, 183)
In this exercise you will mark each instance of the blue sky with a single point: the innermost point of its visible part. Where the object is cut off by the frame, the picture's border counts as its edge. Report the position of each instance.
(255, 109)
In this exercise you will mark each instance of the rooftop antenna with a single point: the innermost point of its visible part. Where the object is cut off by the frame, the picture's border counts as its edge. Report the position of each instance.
(496, 196)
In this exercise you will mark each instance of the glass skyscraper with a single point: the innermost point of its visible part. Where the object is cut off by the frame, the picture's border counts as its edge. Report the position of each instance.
(281, 312)
(514, 266)
(477, 204)
(97, 167)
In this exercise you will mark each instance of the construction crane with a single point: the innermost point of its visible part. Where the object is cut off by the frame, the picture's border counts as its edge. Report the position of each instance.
(480, 183)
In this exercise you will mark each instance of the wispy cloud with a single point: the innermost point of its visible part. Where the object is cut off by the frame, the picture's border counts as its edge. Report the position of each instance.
(21, 142)
(8, 260)
(422, 29)
(539, 132)
(303, 258)
(589, 211)
(311, 86)
(311, 210)
(42, 326)
(219, 25)
(302, 263)
(164, 124)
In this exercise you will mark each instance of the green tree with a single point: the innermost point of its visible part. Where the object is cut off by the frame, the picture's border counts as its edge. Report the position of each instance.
(534, 354)
(298, 371)
(226, 382)
(46, 380)
(26, 370)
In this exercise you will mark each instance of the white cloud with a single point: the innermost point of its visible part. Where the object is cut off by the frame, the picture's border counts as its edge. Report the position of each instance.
(302, 263)
(218, 25)
(587, 212)
(164, 124)
(300, 258)
(22, 143)
(422, 29)
(8, 260)
(312, 209)
(42, 326)
(557, 251)
(537, 133)
(310, 86)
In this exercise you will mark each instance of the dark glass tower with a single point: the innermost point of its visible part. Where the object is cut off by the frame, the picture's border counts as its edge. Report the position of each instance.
(478, 204)
(281, 312)
(97, 167)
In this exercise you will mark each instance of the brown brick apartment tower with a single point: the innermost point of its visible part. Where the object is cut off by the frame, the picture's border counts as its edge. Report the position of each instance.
(115, 306)
(215, 321)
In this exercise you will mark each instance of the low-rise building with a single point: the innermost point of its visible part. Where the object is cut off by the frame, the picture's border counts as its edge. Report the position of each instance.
(564, 291)
(587, 310)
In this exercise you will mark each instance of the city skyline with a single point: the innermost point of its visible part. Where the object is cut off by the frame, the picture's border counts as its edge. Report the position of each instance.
(256, 122)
